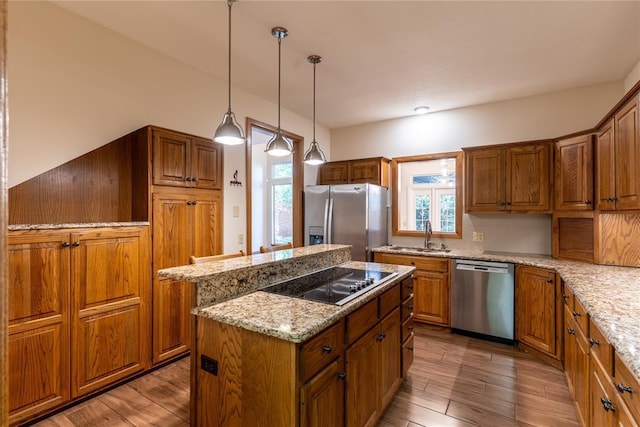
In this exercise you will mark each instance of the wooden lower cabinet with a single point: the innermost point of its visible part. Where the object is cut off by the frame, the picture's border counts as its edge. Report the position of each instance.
(537, 310)
(322, 397)
(79, 310)
(431, 286)
(171, 319)
(344, 375)
(576, 365)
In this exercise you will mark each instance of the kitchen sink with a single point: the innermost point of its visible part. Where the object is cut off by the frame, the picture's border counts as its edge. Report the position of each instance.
(418, 249)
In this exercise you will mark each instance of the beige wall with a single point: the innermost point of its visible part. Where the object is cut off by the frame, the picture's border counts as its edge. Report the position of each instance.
(75, 86)
(538, 117)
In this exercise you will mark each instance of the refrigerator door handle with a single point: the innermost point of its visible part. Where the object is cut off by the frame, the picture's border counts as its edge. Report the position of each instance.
(325, 218)
(329, 218)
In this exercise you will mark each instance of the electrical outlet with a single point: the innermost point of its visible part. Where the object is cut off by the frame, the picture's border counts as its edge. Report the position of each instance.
(478, 237)
(236, 211)
(241, 239)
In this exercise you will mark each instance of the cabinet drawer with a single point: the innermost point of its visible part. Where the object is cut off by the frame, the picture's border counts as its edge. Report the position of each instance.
(318, 352)
(389, 300)
(627, 387)
(600, 347)
(362, 320)
(407, 356)
(419, 262)
(567, 295)
(581, 316)
(406, 288)
(407, 328)
(407, 308)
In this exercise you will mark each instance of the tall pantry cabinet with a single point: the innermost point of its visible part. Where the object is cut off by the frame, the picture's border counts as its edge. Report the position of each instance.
(185, 211)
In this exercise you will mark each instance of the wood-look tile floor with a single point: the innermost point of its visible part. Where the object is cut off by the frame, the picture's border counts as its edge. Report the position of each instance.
(454, 381)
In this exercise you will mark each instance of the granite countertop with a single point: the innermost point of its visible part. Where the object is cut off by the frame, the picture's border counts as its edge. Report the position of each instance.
(294, 319)
(611, 295)
(19, 227)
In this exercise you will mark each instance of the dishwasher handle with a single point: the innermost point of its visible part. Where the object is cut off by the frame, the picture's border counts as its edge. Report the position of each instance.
(482, 268)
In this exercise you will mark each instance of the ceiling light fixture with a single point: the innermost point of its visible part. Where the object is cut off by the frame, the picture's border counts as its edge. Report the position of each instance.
(421, 110)
(229, 132)
(279, 145)
(314, 155)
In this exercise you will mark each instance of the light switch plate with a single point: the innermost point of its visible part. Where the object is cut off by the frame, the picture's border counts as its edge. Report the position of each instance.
(478, 237)
(236, 211)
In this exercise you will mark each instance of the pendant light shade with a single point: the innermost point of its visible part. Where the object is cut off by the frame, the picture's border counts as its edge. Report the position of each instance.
(229, 132)
(279, 145)
(314, 155)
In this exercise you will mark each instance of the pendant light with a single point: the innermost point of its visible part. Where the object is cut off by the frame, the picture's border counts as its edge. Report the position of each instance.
(229, 132)
(279, 145)
(314, 155)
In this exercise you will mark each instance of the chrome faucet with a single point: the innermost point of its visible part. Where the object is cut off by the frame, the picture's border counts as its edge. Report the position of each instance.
(428, 231)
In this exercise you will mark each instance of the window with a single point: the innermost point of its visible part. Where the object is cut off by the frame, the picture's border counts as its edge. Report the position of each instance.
(427, 188)
(281, 202)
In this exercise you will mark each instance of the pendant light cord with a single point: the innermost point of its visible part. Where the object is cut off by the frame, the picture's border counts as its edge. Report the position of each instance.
(279, 66)
(314, 102)
(230, 2)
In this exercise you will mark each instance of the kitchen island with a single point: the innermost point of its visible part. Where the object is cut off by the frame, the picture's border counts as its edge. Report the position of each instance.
(266, 359)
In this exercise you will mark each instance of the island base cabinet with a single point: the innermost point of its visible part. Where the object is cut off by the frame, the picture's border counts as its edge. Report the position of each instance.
(322, 398)
(171, 319)
(377, 351)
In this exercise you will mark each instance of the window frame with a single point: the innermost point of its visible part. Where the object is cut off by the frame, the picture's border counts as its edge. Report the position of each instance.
(273, 182)
(396, 191)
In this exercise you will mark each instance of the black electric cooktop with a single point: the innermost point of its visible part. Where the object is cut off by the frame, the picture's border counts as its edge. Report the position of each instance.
(335, 285)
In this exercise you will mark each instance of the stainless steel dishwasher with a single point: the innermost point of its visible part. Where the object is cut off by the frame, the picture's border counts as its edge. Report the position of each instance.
(483, 300)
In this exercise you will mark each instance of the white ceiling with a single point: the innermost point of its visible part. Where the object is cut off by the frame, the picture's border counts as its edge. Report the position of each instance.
(380, 59)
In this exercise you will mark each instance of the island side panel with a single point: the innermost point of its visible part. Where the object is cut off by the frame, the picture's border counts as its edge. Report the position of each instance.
(255, 382)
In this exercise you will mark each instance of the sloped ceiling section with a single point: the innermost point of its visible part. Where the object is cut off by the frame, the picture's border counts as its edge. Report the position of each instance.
(383, 58)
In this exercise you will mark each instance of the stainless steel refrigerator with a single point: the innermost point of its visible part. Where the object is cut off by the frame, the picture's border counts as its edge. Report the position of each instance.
(350, 214)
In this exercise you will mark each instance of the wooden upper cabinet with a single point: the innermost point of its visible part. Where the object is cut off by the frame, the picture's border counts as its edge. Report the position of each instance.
(373, 170)
(618, 160)
(574, 174)
(605, 168)
(182, 160)
(627, 157)
(508, 178)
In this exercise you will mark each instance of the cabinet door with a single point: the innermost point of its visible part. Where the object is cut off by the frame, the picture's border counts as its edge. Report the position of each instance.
(171, 158)
(171, 319)
(389, 371)
(536, 308)
(574, 174)
(109, 321)
(603, 404)
(362, 390)
(527, 178)
(627, 157)
(322, 398)
(363, 171)
(172, 242)
(605, 168)
(485, 189)
(207, 218)
(38, 266)
(206, 164)
(334, 173)
(431, 297)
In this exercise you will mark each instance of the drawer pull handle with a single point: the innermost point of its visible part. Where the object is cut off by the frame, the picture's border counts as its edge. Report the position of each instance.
(594, 341)
(571, 331)
(381, 336)
(410, 307)
(342, 375)
(577, 314)
(75, 244)
(410, 348)
(410, 286)
(565, 296)
(624, 388)
(608, 406)
(410, 328)
(550, 280)
(327, 349)
(66, 244)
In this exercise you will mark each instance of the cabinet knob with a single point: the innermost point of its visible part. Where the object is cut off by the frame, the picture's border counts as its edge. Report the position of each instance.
(576, 314)
(194, 179)
(342, 375)
(571, 331)
(410, 307)
(594, 341)
(608, 406)
(66, 244)
(624, 388)
(381, 336)
(410, 328)
(587, 202)
(565, 296)
(188, 179)
(327, 349)
(75, 244)
(550, 280)
(410, 348)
